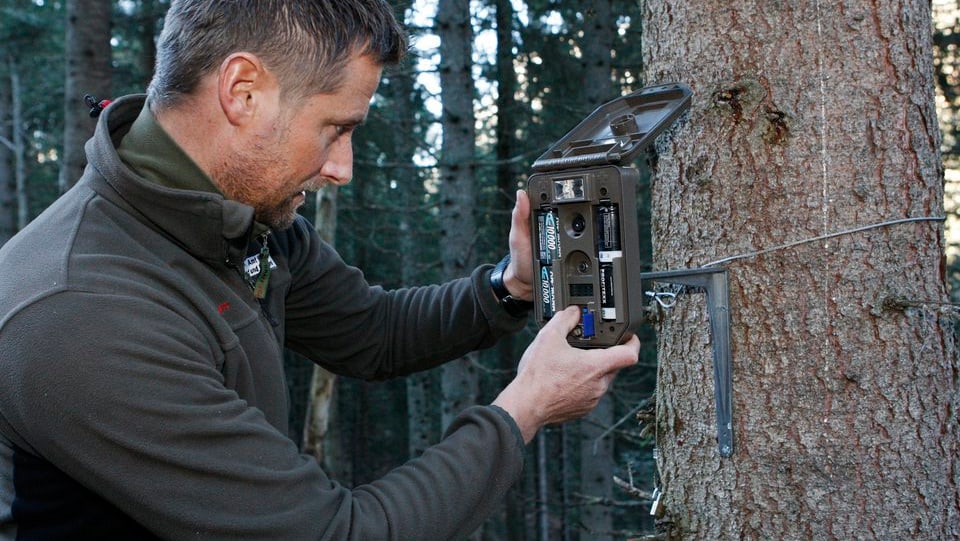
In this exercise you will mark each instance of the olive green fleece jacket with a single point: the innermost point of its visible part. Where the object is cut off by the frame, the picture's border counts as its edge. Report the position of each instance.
(142, 392)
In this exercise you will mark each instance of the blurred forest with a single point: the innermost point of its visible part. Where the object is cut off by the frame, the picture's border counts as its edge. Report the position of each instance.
(535, 68)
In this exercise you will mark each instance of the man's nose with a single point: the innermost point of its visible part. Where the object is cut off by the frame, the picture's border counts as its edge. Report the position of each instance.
(338, 168)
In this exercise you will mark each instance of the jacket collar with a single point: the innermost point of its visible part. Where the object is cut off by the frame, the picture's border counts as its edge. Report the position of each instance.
(204, 223)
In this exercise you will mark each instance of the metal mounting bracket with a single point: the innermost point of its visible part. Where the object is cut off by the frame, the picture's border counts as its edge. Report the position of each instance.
(713, 280)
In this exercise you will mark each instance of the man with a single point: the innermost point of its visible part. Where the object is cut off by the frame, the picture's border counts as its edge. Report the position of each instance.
(144, 314)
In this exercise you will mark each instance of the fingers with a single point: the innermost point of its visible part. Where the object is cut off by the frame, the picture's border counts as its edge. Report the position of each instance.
(603, 362)
(520, 217)
(557, 382)
(519, 275)
(608, 362)
(625, 354)
(562, 323)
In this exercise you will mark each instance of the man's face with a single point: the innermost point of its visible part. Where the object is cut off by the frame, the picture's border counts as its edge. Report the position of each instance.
(299, 147)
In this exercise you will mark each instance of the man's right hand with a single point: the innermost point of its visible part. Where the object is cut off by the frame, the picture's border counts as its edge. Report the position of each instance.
(556, 382)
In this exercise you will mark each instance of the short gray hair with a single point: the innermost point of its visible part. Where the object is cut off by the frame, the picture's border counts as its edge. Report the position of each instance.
(306, 43)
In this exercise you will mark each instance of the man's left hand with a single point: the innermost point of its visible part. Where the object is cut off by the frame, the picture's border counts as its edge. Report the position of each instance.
(518, 276)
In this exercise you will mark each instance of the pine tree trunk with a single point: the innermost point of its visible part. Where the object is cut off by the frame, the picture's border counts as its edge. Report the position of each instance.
(88, 56)
(808, 118)
(457, 172)
(19, 145)
(596, 455)
(150, 10)
(507, 184)
(323, 382)
(8, 186)
(423, 426)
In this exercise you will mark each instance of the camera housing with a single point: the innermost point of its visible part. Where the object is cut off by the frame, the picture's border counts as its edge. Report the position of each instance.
(584, 220)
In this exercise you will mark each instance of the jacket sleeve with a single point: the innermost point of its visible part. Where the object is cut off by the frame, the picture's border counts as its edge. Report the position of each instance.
(336, 318)
(138, 412)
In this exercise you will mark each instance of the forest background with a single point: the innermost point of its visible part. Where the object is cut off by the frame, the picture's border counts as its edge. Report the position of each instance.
(491, 84)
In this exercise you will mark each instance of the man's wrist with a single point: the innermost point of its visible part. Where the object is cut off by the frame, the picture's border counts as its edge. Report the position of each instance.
(514, 306)
(513, 406)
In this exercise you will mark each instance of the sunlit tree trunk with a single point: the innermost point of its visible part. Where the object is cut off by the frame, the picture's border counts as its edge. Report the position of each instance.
(89, 71)
(809, 118)
(322, 383)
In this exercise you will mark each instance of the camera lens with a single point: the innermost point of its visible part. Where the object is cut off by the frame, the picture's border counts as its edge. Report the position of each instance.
(578, 224)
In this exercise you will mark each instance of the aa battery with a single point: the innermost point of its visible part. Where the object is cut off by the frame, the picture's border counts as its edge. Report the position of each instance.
(548, 298)
(608, 228)
(608, 306)
(548, 222)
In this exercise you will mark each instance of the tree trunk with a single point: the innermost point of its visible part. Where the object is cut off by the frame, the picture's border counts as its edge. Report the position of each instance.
(150, 11)
(89, 71)
(507, 184)
(543, 488)
(318, 413)
(845, 373)
(596, 455)
(323, 382)
(8, 191)
(457, 172)
(19, 145)
(423, 428)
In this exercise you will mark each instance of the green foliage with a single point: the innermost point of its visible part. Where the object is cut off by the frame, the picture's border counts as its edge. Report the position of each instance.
(135, 23)
(31, 50)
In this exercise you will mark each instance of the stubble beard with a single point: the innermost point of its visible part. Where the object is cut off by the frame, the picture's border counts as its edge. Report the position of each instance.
(241, 178)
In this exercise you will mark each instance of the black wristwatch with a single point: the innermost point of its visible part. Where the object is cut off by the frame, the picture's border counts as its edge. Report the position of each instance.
(514, 306)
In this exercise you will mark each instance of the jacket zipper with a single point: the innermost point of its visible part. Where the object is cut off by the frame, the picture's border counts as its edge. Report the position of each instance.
(263, 278)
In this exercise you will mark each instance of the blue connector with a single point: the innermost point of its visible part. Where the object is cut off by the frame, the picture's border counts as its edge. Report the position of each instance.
(586, 321)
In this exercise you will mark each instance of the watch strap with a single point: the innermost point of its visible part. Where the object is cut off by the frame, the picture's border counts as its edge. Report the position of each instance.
(514, 306)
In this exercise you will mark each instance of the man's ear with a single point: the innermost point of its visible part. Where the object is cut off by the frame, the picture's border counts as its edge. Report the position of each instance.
(243, 86)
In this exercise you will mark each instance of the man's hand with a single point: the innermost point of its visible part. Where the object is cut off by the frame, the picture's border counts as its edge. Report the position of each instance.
(518, 276)
(556, 382)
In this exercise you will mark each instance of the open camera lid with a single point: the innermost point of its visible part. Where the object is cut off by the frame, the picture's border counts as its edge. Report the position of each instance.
(617, 131)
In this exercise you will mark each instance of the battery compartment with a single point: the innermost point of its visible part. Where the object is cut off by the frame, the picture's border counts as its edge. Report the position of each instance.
(586, 241)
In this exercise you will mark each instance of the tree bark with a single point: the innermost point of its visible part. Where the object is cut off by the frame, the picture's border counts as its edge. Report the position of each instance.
(507, 184)
(19, 145)
(423, 426)
(8, 186)
(323, 382)
(88, 56)
(845, 370)
(597, 462)
(457, 172)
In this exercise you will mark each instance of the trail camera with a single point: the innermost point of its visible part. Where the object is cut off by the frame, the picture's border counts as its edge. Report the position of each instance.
(584, 219)
(585, 234)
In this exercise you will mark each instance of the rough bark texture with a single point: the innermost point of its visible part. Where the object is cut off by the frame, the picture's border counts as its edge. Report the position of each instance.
(423, 426)
(808, 118)
(596, 455)
(322, 382)
(457, 171)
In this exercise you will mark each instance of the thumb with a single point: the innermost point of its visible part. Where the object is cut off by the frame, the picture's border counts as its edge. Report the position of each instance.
(620, 356)
(563, 321)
